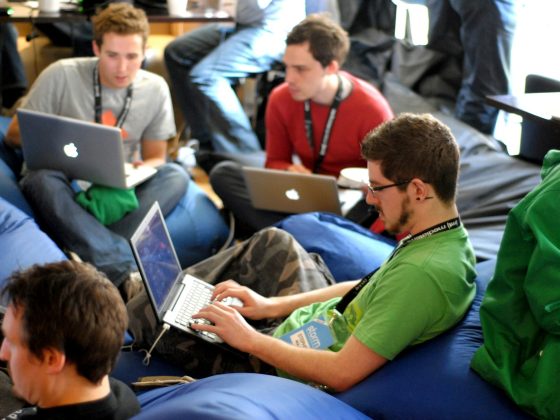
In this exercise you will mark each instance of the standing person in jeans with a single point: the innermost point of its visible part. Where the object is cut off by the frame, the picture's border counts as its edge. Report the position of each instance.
(110, 89)
(316, 49)
(481, 33)
(203, 64)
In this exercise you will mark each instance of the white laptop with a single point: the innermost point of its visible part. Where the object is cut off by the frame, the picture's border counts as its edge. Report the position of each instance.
(291, 192)
(174, 295)
(81, 150)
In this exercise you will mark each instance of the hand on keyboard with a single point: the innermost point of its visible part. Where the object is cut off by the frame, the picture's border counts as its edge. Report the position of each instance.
(206, 334)
(254, 306)
(226, 322)
(232, 301)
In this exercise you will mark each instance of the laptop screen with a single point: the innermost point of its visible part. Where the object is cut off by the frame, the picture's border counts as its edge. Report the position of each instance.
(156, 256)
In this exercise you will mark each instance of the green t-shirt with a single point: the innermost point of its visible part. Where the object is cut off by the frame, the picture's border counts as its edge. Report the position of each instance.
(423, 290)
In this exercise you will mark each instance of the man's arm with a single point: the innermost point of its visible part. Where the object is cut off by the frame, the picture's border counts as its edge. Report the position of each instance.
(296, 167)
(154, 152)
(279, 145)
(337, 370)
(13, 137)
(256, 306)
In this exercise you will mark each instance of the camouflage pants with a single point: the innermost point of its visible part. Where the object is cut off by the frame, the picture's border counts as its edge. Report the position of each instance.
(272, 263)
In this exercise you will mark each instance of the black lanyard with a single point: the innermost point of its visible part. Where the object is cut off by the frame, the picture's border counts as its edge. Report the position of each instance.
(328, 126)
(97, 95)
(442, 227)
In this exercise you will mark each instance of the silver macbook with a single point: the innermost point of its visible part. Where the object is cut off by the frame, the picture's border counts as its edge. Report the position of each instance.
(174, 295)
(81, 150)
(290, 192)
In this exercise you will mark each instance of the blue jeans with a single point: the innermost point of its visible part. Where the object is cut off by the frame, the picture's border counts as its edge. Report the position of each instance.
(484, 29)
(203, 64)
(12, 73)
(73, 228)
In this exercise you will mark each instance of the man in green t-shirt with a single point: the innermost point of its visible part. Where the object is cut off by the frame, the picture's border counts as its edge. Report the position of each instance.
(421, 290)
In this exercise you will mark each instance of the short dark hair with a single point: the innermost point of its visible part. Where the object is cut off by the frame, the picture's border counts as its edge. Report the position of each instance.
(122, 19)
(416, 146)
(327, 40)
(71, 307)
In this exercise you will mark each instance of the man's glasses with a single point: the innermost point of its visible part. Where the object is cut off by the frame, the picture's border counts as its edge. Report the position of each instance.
(382, 187)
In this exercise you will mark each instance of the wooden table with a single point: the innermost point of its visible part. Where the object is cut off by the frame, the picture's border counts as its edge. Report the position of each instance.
(28, 12)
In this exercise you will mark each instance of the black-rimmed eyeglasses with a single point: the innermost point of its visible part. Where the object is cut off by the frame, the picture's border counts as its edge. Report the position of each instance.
(382, 187)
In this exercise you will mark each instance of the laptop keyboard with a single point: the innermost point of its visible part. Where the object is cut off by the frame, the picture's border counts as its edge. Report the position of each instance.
(199, 297)
(136, 174)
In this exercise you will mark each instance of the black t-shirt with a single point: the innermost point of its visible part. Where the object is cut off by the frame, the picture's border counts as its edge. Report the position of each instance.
(120, 404)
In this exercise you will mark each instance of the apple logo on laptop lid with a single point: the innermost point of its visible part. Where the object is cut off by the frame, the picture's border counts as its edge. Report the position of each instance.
(292, 194)
(70, 150)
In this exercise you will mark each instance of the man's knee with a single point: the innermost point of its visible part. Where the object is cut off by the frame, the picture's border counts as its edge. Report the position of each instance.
(174, 177)
(168, 55)
(225, 174)
(206, 73)
(41, 179)
(173, 52)
(273, 237)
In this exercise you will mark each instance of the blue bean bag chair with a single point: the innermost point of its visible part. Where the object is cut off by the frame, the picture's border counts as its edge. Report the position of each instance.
(243, 396)
(9, 189)
(349, 250)
(434, 380)
(22, 243)
(196, 227)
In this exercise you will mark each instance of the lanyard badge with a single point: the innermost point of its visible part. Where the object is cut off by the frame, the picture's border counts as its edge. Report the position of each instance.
(98, 108)
(442, 227)
(314, 334)
(328, 127)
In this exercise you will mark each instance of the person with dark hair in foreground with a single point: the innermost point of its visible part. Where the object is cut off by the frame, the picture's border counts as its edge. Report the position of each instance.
(63, 329)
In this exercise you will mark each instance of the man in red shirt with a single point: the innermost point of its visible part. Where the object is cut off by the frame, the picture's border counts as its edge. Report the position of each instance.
(315, 92)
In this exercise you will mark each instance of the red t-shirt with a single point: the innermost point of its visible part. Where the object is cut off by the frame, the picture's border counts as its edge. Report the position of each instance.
(363, 110)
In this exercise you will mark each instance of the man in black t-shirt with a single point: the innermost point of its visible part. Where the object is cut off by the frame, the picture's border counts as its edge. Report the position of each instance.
(63, 330)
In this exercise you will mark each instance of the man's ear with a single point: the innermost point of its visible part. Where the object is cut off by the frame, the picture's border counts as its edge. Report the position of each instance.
(333, 67)
(96, 49)
(54, 359)
(420, 189)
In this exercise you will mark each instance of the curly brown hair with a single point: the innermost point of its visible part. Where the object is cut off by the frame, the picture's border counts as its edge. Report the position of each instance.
(122, 19)
(416, 146)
